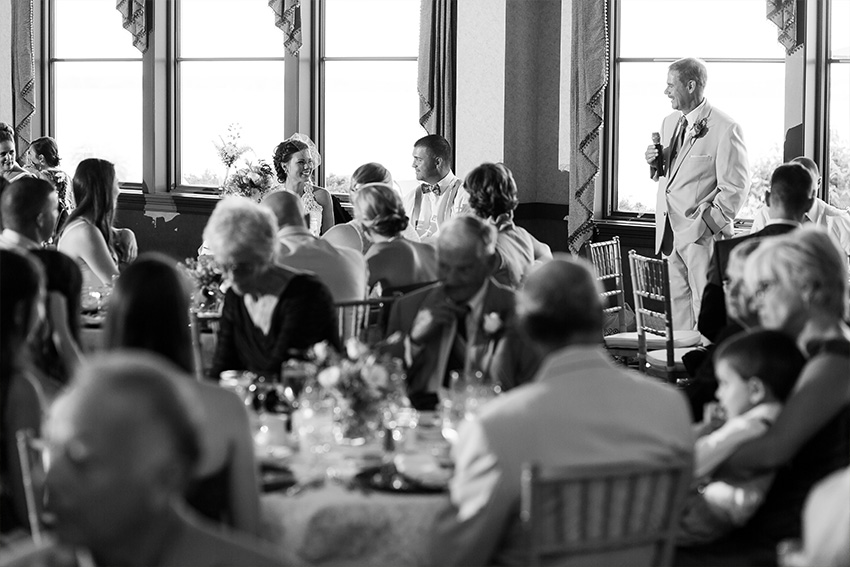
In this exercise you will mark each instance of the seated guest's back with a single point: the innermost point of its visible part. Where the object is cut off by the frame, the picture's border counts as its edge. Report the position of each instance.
(493, 196)
(835, 220)
(789, 197)
(342, 269)
(581, 409)
(149, 310)
(24, 391)
(269, 311)
(352, 234)
(29, 209)
(394, 261)
(124, 442)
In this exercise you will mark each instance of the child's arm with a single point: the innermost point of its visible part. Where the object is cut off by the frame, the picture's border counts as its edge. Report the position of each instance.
(711, 450)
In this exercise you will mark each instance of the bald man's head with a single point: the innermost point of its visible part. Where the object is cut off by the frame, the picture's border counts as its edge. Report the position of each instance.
(286, 207)
(124, 443)
(559, 304)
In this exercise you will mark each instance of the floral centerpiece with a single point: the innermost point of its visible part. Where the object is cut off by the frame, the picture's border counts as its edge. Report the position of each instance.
(363, 384)
(230, 149)
(252, 181)
(206, 277)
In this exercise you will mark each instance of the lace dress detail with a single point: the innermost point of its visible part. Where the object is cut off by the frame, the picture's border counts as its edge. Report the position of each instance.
(313, 210)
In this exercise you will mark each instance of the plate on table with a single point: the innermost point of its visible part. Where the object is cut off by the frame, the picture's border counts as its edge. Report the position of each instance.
(387, 478)
(94, 319)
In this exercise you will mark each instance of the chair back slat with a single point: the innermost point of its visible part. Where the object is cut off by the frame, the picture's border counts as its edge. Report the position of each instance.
(31, 458)
(607, 261)
(653, 309)
(363, 320)
(568, 512)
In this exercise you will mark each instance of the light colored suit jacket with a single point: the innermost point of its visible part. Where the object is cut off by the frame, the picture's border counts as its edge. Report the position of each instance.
(581, 409)
(429, 361)
(342, 269)
(709, 181)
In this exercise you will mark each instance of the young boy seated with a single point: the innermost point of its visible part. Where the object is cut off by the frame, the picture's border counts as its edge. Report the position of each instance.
(756, 372)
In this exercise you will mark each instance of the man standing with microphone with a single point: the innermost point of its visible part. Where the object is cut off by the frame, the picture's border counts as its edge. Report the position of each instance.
(701, 187)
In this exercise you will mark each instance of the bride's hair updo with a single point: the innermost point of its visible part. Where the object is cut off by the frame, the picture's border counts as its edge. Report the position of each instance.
(283, 153)
(291, 146)
(380, 210)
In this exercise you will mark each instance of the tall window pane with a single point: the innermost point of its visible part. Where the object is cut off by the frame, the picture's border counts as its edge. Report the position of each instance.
(838, 168)
(750, 55)
(230, 71)
(371, 104)
(97, 82)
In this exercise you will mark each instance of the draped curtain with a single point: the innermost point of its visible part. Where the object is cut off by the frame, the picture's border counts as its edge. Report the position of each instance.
(134, 18)
(436, 83)
(288, 18)
(783, 13)
(23, 73)
(589, 62)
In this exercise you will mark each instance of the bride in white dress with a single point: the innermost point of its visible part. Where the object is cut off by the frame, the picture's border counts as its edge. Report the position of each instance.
(295, 159)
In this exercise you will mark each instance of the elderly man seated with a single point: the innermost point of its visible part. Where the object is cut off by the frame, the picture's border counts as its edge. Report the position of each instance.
(466, 307)
(580, 409)
(123, 444)
(342, 269)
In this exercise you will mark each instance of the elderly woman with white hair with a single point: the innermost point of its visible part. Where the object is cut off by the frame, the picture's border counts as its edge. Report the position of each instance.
(799, 285)
(269, 311)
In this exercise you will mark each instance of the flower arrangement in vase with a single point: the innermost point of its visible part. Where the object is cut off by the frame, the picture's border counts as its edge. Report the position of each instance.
(364, 386)
(205, 275)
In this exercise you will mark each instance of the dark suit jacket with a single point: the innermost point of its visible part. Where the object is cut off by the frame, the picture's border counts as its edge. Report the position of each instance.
(497, 299)
(712, 314)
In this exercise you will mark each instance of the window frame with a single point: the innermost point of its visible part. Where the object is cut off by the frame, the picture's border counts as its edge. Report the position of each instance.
(319, 95)
(814, 94)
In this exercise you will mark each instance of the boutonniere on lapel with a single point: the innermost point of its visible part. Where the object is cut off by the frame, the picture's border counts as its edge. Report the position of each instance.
(480, 356)
(492, 323)
(699, 129)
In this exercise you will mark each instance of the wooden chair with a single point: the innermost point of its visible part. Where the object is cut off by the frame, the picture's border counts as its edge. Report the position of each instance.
(602, 514)
(606, 259)
(364, 319)
(657, 347)
(31, 456)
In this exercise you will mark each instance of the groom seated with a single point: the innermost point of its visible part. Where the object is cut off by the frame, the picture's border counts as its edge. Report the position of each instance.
(433, 328)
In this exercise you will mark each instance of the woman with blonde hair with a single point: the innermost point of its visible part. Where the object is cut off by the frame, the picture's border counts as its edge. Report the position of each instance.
(398, 264)
(268, 310)
(799, 285)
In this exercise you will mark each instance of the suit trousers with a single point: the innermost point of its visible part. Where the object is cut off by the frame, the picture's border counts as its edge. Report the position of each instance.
(688, 264)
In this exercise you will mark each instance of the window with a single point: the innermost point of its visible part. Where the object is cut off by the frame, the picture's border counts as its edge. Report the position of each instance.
(96, 85)
(230, 71)
(746, 79)
(837, 171)
(368, 97)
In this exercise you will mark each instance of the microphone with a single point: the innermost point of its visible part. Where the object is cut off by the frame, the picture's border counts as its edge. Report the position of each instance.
(657, 167)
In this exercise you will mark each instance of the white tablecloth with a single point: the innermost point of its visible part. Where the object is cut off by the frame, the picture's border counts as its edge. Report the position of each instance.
(336, 526)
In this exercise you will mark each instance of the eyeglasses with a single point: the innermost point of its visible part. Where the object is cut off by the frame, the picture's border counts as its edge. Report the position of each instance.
(238, 268)
(762, 288)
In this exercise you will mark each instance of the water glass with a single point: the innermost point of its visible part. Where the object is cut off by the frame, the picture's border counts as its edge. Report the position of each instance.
(238, 382)
(403, 427)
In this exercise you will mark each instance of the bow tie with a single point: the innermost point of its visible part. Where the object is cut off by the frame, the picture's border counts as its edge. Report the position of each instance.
(426, 188)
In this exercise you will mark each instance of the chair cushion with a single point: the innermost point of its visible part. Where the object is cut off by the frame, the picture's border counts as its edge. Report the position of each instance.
(658, 358)
(681, 339)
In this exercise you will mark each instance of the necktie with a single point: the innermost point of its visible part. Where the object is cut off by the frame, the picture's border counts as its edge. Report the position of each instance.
(457, 352)
(428, 188)
(678, 140)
